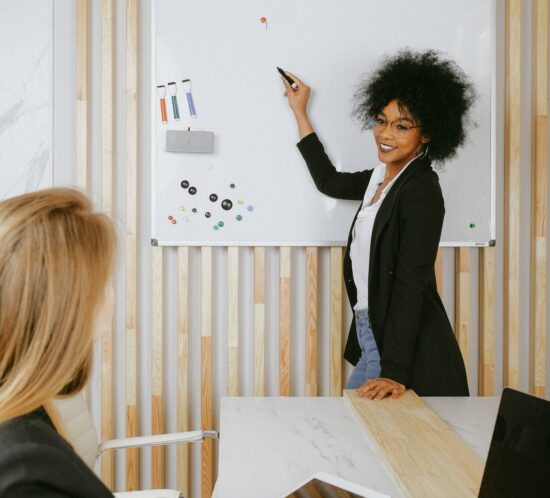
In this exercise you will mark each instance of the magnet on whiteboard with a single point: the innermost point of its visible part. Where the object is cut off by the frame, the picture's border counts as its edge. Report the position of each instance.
(189, 141)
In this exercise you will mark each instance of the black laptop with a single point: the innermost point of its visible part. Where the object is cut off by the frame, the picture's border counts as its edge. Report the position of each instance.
(518, 464)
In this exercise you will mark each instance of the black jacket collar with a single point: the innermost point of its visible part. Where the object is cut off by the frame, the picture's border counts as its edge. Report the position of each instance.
(416, 167)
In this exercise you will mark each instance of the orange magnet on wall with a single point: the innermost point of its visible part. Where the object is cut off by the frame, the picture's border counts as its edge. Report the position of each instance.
(263, 20)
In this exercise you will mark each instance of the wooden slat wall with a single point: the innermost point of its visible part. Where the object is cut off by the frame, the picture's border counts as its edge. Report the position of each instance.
(462, 302)
(285, 304)
(132, 455)
(233, 321)
(539, 197)
(259, 321)
(182, 450)
(107, 181)
(157, 387)
(207, 456)
(82, 77)
(486, 362)
(512, 179)
(487, 285)
(336, 321)
(311, 320)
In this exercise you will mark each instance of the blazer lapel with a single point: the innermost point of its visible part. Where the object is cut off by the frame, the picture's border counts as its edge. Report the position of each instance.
(386, 208)
(350, 235)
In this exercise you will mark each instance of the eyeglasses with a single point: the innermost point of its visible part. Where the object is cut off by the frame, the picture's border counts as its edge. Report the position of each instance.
(399, 129)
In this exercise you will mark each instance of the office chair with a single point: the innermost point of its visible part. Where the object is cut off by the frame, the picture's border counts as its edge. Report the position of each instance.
(73, 421)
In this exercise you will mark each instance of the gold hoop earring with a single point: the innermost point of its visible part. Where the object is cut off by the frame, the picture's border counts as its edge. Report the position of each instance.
(425, 153)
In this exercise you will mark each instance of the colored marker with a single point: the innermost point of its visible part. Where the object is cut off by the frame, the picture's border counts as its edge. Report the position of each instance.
(291, 82)
(190, 103)
(161, 90)
(173, 89)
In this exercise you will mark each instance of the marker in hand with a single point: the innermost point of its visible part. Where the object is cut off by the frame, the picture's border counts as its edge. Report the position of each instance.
(291, 82)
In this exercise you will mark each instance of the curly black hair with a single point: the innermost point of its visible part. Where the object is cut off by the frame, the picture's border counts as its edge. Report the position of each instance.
(434, 90)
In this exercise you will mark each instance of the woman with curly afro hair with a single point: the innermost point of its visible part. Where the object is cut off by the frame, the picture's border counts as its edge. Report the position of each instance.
(417, 104)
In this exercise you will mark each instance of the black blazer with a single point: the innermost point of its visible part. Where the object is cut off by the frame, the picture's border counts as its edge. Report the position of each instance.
(35, 461)
(412, 331)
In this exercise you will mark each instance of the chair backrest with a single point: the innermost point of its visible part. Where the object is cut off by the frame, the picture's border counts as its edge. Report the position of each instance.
(72, 419)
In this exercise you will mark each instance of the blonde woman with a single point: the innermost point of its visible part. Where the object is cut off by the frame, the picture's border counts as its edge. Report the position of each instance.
(56, 257)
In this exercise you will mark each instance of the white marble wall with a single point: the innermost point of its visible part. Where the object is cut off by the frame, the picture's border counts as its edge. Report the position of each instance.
(26, 96)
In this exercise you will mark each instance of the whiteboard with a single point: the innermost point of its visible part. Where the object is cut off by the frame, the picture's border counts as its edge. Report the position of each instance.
(230, 50)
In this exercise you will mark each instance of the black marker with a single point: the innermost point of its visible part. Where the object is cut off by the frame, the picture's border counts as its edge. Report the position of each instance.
(291, 82)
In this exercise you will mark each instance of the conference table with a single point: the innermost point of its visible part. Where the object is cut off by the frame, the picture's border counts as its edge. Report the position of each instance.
(269, 445)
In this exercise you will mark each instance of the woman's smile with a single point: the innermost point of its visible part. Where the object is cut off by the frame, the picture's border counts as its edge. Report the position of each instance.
(386, 147)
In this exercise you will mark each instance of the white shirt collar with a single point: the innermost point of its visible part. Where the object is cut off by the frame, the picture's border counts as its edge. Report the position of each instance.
(377, 178)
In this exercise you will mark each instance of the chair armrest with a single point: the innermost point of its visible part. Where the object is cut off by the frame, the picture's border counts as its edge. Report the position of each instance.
(156, 440)
(154, 493)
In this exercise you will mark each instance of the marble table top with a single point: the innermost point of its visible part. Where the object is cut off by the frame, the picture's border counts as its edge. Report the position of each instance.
(269, 445)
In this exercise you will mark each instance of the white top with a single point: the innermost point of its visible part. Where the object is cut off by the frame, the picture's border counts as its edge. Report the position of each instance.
(362, 233)
(269, 445)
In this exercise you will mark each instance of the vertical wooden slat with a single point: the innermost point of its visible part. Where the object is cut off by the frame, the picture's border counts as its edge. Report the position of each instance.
(311, 320)
(82, 67)
(284, 321)
(539, 197)
(439, 271)
(132, 455)
(512, 171)
(462, 302)
(107, 470)
(486, 363)
(157, 401)
(336, 309)
(107, 104)
(207, 456)
(259, 321)
(182, 450)
(233, 321)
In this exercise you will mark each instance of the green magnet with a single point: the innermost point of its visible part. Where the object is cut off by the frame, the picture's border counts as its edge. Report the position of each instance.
(215, 227)
(472, 225)
(240, 201)
(220, 223)
(239, 217)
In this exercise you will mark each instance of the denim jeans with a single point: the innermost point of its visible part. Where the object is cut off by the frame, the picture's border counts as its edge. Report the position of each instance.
(368, 366)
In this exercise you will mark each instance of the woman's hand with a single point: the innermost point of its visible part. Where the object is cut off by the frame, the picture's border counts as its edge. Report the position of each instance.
(297, 99)
(380, 388)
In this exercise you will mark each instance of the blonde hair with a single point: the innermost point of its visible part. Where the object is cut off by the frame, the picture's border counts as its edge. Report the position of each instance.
(56, 258)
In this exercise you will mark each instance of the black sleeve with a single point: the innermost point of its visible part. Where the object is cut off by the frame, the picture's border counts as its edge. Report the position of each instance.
(33, 490)
(32, 470)
(333, 183)
(422, 213)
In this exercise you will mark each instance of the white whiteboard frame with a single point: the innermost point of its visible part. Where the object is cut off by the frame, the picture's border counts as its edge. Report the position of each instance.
(182, 243)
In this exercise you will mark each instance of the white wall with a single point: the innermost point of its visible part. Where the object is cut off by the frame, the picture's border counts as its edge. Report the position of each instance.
(25, 96)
